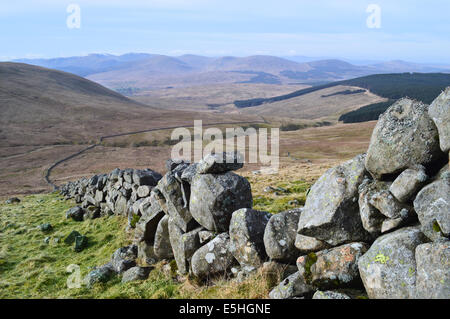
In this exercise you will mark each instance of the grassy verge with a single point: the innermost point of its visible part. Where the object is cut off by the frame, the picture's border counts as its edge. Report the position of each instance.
(32, 268)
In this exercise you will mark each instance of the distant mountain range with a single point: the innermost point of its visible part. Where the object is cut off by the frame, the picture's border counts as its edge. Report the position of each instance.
(136, 72)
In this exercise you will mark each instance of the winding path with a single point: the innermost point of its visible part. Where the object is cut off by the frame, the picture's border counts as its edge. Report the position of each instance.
(102, 138)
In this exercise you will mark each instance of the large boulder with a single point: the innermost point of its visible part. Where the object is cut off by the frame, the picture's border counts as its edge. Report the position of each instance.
(220, 163)
(213, 258)
(439, 111)
(147, 225)
(280, 234)
(404, 136)
(247, 236)
(433, 271)
(331, 211)
(388, 268)
(432, 205)
(184, 245)
(162, 247)
(214, 198)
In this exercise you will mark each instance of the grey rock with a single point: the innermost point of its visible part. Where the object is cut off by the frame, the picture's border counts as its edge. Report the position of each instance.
(220, 163)
(12, 200)
(337, 267)
(184, 245)
(388, 268)
(81, 243)
(143, 191)
(45, 227)
(247, 228)
(213, 258)
(432, 206)
(146, 177)
(101, 274)
(331, 211)
(189, 173)
(306, 244)
(76, 213)
(292, 286)
(70, 239)
(371, 217)
(146, 253)
(171, 164)
(162, 246)
(205, 236)
(387, 204)
(147, 226)
(439, 111)
(404, 136)
(91, 212)
(175, 207)
(433, 271)
(121, 206)
(330, 295)
(214, 198)
(136, 274)
(406, 185)
(124, 258)
(280, 234)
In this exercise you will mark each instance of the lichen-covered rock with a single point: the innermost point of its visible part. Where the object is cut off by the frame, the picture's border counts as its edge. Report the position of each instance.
(439, 111)
(331, 211)
(404, 136)
(306, 244)
(76, 213)
(280, 234)
(292, 286)
(135, 274)
(340, 294)
(124, 258)
(205, 236)
(387, 204)
(247, 236)
(214, 198)
(406, 185)
(432, 206)
(213, 258)
(220, 163)
(433, 271)
(337, 267)
(175, 207)
(388, 268)
(162, 247)
(330, 295)
(189, 172)
(371, 217)
(101, 274)
(184, 245)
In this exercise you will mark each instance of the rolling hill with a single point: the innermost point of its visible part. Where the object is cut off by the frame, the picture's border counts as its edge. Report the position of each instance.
(388, 87)
(135, 73)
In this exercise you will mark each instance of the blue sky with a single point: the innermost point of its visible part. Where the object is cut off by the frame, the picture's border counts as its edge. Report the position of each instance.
(413, 30)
